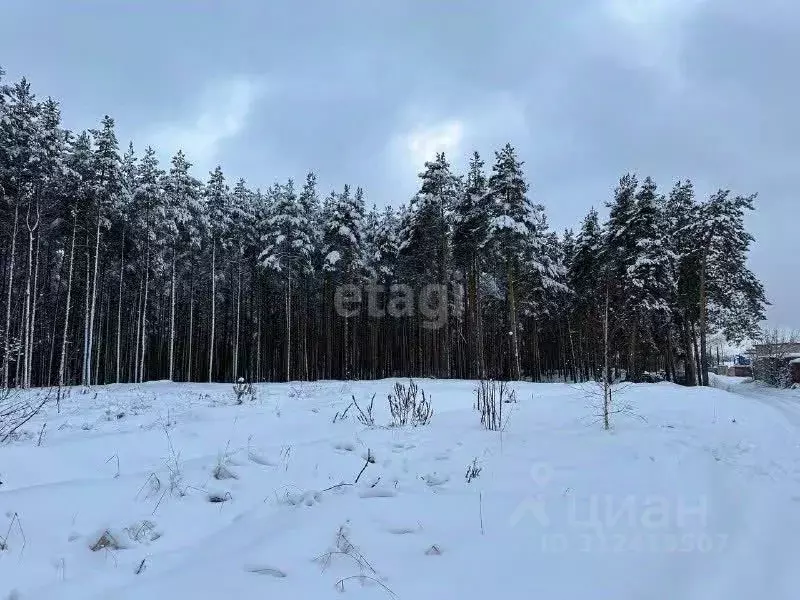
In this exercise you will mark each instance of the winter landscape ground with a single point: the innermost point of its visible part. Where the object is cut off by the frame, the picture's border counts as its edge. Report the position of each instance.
(165, 490)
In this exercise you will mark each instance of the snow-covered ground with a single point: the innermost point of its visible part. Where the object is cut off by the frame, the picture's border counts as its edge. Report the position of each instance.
(695, 494)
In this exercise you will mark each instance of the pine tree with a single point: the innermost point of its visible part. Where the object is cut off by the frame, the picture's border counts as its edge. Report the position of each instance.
(344, 253)
(107, 188)
(148, 203)
(288, 249)
(724, 279)
(584, 278)
(217, 197)
(680, 212)
(470, 236)
(648, 275)
(620, 254)
(511, 230)
(78, 188)
(184, 225)
(19, 139)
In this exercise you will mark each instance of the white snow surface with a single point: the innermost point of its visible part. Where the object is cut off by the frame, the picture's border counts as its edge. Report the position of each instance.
(694, 494)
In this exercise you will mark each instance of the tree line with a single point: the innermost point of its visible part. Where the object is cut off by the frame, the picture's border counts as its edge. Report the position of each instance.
(116, 268)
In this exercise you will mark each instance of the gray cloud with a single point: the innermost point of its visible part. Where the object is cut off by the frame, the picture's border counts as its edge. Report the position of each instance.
(585, 89)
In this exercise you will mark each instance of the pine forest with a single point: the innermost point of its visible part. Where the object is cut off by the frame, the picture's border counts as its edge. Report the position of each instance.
(117, 268)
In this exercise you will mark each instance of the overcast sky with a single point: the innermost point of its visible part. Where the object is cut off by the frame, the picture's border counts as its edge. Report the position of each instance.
(363, 91)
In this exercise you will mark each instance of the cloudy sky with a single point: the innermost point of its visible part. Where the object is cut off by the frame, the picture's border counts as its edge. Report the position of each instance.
(363, 91)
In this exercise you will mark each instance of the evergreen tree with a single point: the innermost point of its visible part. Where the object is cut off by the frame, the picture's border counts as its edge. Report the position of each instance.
(288, 250)
(217, 201)
(107, 182)
(184, 225)
(511, 229)
(724, 279)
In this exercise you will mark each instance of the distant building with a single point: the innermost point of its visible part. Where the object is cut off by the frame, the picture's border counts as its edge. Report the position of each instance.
(773, 362)
(740, 371)
(781, 349)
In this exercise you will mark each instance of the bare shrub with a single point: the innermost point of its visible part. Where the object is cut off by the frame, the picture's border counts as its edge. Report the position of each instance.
(369, 459)
(365, 417)
(303, 390)
(343, 548)
(176, 483)
(490, 396)
(341, 416)
(176, 486)
(473, 471)
(106, 541)
(13, 525)
(605, 399)
(16, 409)
(243, 390)
(142, 532)
(222, 470)
(409, 405)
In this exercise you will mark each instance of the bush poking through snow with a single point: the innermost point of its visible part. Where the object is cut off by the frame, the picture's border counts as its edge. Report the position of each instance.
(222, 471)
(143, 532)
(176, 485)
(341, 416)
(473, 471)
(16, 410)
(365, 417)
(106, 541)
(4, 544)
(217, 498)
(490, 397)
(140, 567)
(343, 548)
(407, 407)
(433, 551)
(242, 390)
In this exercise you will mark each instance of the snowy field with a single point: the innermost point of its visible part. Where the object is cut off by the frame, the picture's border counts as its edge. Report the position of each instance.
(169, 491)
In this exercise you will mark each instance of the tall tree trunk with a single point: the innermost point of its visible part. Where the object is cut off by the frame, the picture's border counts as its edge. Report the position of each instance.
(606, 370)
(139, 296)
(191, 327)
(703, 317)
(22, 378)
(143, 352)
(119, 304)
(258, 328)
(698, 360)
(289, 326)
(172, 320)
(32, 332)
(86, 302)
(479, 322)
(7, 341)
(691, 374)
(238, 321)
(213, 308)
(512, 317)
(63, 363)
(90, 347)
